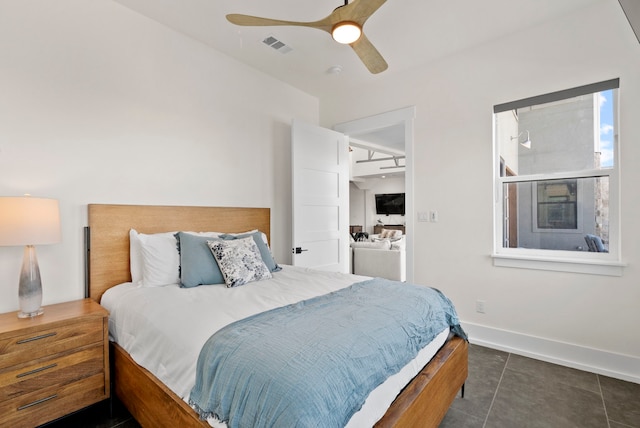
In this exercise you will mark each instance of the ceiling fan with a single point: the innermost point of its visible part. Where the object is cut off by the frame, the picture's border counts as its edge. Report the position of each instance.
(344, 24)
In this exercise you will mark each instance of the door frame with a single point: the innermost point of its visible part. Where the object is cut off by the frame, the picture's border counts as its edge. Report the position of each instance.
(405, 116)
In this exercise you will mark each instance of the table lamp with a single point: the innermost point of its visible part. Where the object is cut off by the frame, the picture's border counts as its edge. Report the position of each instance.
(29, 221)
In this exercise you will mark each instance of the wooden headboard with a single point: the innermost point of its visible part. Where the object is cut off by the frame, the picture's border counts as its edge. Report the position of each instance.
(109, 225)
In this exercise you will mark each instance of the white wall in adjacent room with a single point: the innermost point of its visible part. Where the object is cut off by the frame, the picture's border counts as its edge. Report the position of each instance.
(362, 207)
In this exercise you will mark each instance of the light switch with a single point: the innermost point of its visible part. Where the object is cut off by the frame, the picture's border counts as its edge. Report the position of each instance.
(433, 216)
(423, 216)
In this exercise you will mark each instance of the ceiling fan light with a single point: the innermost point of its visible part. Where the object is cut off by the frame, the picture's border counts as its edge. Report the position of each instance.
(346, 32)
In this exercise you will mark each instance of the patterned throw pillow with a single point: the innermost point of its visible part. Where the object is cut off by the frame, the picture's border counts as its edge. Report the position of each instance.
(239, 261)
(390, 233)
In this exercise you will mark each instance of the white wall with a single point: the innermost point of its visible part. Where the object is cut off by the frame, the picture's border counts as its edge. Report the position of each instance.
(356, 205)
(582, 320)
(101, 105)
(362, 208)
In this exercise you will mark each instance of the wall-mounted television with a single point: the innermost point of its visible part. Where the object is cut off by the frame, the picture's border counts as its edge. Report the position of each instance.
(390, 203)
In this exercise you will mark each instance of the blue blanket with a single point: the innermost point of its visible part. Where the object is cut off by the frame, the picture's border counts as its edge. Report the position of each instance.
(313, 363)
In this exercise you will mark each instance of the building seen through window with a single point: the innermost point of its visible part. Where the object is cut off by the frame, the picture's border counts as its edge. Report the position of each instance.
(556, 157)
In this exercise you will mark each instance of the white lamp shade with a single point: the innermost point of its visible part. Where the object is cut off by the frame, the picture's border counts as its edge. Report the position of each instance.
(29, 221)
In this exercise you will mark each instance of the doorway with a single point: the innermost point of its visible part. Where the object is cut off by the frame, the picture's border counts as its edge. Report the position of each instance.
(403, 120)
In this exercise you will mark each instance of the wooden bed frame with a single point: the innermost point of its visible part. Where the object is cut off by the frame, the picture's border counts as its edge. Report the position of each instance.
(423, 402)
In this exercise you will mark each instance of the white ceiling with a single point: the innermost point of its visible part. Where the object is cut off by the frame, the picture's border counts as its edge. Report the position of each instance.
(407, 33)
(391, 137)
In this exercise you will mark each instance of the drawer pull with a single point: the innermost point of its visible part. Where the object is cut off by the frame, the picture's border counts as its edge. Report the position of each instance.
(35, 403)
(50, 366)
(31, 339)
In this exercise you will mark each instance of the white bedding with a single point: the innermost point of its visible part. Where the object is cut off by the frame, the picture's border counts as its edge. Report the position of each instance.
(164, 328)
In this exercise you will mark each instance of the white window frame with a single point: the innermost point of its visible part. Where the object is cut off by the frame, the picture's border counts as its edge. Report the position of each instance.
(556, 260)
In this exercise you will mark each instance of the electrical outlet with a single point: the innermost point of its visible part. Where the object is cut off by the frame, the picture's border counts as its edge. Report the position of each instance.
(480, 306)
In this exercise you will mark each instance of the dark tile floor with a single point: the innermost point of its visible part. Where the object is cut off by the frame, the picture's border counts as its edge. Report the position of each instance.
(503, 391)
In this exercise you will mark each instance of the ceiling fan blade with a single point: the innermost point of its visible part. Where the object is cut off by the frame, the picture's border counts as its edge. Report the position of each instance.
(360, 10)
(369, 55)
(357, 11)
(248, 20)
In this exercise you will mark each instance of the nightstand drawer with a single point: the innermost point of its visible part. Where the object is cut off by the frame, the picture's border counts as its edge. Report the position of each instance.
(28, 378)
(53, 364)
(36, 343)
(50, 403)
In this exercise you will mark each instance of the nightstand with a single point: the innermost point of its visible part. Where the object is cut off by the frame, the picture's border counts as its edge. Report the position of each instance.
(53, 364)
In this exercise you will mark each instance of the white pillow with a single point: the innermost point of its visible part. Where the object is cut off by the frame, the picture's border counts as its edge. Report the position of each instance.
(154, 258)
(399, 244)
(136, 260)
(161, 260)
(249, 232)
(135, 257)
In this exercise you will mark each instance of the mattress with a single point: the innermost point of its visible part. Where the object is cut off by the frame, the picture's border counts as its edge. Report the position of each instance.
(164, 328)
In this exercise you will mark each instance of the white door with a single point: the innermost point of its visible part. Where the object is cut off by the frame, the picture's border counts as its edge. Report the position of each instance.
(320, 198)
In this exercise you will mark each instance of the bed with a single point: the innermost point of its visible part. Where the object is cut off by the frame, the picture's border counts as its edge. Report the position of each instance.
(423, 402)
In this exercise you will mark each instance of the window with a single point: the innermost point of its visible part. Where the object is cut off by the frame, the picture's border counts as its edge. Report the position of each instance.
(557, 205)
(557, 180)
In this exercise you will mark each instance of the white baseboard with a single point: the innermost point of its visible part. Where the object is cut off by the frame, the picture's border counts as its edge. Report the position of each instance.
(610, 364)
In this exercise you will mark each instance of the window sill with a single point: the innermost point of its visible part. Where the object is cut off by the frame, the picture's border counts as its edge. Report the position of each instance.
(591, 267)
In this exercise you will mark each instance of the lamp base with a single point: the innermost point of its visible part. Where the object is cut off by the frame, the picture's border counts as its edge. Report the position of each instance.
(30, 286)
(30, 314)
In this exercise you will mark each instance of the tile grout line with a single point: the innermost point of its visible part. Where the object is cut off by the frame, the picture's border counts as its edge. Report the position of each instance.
(495, 394)
(604, 405)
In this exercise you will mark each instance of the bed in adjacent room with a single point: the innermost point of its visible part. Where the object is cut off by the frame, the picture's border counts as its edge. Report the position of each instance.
(170, 368)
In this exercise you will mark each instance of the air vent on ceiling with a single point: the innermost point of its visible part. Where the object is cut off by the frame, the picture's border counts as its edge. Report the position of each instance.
(277, 45)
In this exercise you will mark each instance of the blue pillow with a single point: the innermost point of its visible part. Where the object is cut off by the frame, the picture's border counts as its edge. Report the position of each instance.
(197, 264)
(265, 252)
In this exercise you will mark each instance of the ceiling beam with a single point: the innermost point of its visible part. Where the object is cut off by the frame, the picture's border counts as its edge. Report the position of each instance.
(378, 148)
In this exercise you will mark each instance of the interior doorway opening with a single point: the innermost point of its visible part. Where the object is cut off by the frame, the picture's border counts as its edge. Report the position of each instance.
(386, 135)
